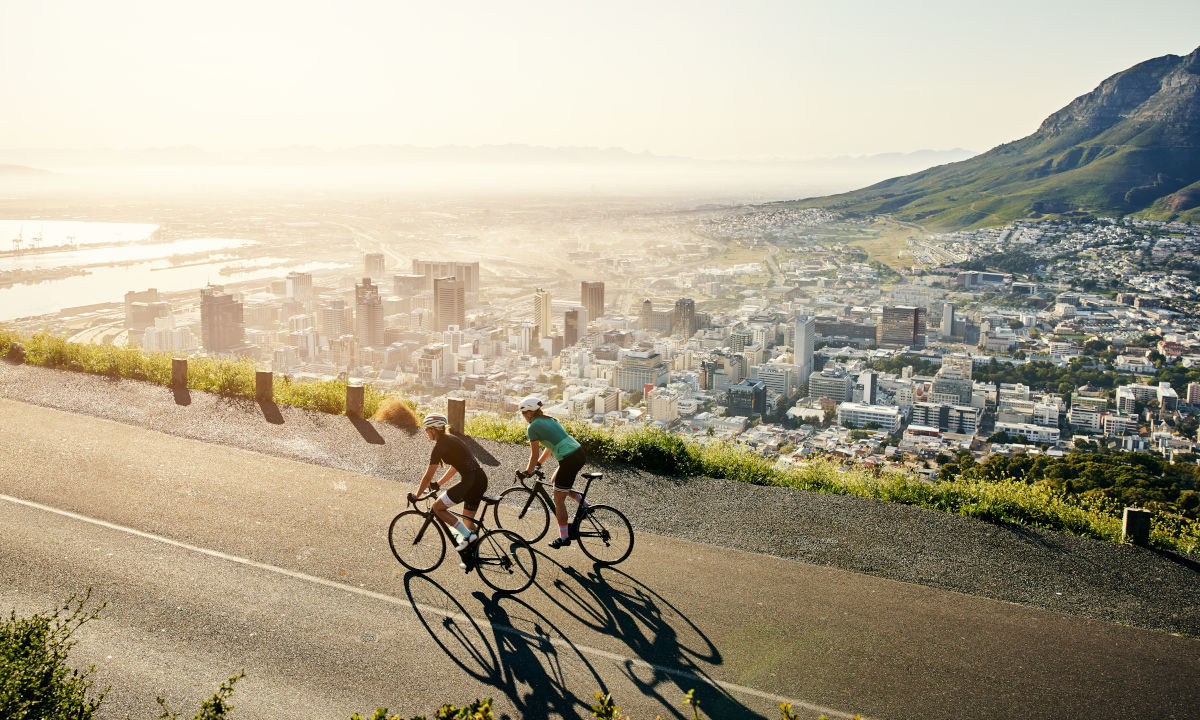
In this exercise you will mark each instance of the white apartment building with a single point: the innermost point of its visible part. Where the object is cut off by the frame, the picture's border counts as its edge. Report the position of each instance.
(1114, 425)
(1032, 433)
(860, 415)
(663, 405)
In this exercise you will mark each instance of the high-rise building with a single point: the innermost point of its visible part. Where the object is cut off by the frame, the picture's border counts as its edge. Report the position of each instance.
(739, 339)
(449, 303)
(901, 326)
(574, 325)
(468, 273)
(865, 388)
(591, 295)
(636, 370)
(542, 317)
(134, 316)
(333, 320)
(684, 321)
(831, 384)
(221, 326)
(373, 265)
(748, 397)
(368, 314)
(947, 320)
(299, 286)
(803, 341)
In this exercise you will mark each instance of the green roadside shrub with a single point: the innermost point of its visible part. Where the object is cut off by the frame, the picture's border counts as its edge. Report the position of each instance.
(36, 683)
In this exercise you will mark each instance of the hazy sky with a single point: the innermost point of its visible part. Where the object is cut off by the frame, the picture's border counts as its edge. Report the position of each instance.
(704, 79)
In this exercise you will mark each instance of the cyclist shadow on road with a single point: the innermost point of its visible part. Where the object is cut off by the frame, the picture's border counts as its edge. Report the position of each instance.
(672, 649)
(523, 663)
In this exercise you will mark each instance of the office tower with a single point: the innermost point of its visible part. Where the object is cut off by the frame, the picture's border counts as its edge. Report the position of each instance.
(684, 320)
(803, 340)
(449, 303)
(368, 314)
(739, 339)
(542, 318)
(333, 320)
(575, 325)
(832, 384)
(636, 370)
(748, 397)
(299, 286)
(901, 326)
(865, 388)
(947, 320)
(591, 294)
(221, 326)
(373, 265)
(135, 317)
(467, 273)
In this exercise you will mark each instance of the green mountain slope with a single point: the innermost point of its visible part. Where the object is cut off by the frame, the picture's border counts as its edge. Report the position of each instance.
(1131, 146)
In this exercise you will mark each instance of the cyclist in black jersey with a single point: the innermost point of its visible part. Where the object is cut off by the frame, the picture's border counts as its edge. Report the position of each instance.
(451, 450)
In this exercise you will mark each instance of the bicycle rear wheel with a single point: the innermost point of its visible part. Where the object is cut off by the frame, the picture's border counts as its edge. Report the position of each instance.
(505, 561)
(604, 534)
(524, 512)
(417, 541)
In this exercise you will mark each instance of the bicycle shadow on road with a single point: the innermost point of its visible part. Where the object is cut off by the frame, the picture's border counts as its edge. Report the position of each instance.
(673, 649)
(522, 664)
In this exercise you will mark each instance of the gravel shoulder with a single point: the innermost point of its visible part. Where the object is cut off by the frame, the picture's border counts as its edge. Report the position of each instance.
(1040, 568)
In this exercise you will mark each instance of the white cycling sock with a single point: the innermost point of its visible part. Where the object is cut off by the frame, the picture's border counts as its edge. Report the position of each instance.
(564, 531)
(461, 528)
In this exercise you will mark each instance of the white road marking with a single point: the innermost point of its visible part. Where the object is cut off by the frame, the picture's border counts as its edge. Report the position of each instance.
(390, 599)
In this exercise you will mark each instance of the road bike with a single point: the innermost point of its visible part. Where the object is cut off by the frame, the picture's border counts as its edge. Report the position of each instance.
(502, 558)
(603, 532)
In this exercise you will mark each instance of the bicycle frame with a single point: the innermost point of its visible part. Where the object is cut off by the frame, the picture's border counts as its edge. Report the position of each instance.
(540, 485)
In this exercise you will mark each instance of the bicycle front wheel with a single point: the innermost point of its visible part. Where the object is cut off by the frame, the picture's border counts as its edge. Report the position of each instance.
(505, 561)
(604, 534)
(416, 541)
(524, 512)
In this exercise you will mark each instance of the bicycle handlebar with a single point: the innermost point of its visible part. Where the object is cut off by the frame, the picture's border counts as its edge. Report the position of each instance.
(433, 489)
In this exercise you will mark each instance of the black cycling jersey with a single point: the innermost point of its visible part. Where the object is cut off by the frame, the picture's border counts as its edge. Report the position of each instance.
(451, 450)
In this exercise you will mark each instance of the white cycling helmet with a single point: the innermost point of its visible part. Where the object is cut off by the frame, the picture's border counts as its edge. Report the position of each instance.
(436, 420)
(533, 402)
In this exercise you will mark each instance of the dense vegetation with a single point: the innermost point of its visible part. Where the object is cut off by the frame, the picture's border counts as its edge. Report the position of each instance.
(1038, 375)
(1134, 479)
(657, 451)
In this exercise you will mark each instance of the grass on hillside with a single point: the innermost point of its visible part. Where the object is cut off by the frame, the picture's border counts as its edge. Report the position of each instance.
(1006, 500)
(888, 243)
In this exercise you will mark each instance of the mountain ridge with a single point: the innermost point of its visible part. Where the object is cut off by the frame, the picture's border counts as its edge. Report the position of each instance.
(1131, 146)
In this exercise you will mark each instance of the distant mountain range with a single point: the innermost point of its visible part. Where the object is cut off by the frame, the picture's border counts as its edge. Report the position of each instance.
(389, 155)
(1131, 146)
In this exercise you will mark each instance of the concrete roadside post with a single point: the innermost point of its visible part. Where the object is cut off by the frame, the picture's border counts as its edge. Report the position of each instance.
(456, 413)
(264, 386)
(179, 373)
(1135, 526)
(355, 397)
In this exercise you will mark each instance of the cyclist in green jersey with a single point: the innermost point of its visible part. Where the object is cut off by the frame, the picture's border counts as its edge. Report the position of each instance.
(545, 430)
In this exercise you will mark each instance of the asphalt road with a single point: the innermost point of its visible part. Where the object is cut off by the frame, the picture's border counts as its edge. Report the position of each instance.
(213, 559)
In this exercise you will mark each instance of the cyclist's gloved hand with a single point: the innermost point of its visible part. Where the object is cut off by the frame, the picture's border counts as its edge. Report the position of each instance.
(434, 487)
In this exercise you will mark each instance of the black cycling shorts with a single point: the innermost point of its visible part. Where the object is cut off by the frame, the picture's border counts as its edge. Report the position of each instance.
(469, 490)
(568, 468)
